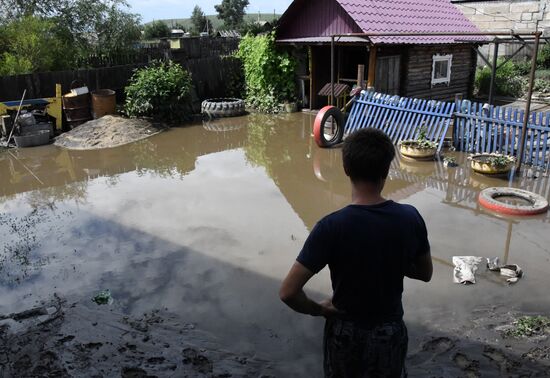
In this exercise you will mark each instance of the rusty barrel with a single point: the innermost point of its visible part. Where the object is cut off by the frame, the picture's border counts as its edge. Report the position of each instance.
(103, 102)
(77, 109)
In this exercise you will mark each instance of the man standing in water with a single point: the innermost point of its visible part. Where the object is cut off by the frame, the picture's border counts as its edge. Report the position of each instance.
(369, 246)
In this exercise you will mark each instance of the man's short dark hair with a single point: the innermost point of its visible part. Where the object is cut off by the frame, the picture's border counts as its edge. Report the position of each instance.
(367, 155)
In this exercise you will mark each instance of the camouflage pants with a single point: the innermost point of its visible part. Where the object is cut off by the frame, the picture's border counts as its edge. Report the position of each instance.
(351, 351)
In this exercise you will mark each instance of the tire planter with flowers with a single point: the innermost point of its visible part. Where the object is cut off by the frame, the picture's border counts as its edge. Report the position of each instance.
(492, 164)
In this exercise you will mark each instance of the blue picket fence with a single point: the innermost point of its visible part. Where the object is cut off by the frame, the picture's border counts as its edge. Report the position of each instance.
(400, 117)
(480, 128)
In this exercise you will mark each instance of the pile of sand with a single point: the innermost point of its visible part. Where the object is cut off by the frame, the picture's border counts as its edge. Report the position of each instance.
(106, 132)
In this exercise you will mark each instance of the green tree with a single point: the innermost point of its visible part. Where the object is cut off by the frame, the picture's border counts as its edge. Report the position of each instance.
(200, 22)
(155, 30)
(232, 12)
(81, 25)
(31, 45)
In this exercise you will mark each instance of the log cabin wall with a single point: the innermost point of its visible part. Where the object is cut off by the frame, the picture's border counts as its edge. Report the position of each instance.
(418, 72)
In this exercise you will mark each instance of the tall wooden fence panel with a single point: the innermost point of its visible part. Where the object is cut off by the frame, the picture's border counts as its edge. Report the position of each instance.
(480, 128)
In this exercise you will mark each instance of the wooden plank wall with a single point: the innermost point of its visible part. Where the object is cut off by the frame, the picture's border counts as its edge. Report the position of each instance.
(419, 72)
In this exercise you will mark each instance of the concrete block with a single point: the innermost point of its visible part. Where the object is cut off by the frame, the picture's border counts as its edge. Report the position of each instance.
(481, 17)
(496, 9)
(525, 6)
(526, 16)
(468, 11)
(502, 25)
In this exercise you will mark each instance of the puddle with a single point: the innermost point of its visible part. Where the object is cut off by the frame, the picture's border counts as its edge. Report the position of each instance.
(206, 220)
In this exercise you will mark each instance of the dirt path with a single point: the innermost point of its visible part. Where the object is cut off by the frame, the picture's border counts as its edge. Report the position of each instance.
(64, 339)
(107, 132)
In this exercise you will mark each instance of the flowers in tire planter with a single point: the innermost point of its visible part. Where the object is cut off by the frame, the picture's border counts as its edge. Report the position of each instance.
(492, 163)
(160, 90)
(421, 148)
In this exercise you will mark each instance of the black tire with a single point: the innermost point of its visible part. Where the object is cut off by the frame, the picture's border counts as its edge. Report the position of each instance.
(223, 107)
(321, 137)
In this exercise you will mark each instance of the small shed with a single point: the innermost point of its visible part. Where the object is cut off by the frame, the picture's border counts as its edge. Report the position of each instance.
(424, 66)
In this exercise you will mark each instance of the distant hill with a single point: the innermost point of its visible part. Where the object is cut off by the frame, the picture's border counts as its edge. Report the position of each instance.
(216, 22)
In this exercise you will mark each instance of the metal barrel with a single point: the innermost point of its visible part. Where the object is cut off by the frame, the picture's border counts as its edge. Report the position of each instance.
(103, 102)
(77, 109)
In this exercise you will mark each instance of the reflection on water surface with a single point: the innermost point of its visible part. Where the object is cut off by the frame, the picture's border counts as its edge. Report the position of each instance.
(205, 221)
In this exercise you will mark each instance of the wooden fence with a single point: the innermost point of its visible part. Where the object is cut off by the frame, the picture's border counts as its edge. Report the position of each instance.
(210, 75)
(401, 117)
(480, 128)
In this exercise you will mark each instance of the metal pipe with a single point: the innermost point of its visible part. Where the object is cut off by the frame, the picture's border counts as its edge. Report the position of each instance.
(528, 103)
(493, 73)
(424, 34)
(332, 70)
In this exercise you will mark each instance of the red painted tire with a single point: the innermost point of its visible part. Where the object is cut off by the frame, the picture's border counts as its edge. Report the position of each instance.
(328, 113)
(487, 199)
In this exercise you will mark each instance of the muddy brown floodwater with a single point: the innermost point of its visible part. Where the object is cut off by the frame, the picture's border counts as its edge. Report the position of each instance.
(203, 222)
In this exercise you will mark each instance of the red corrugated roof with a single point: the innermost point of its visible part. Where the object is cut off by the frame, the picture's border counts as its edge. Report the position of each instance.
(392, 16)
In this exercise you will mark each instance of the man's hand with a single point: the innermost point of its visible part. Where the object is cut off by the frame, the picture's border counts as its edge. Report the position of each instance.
(292, 293)
(328, 310)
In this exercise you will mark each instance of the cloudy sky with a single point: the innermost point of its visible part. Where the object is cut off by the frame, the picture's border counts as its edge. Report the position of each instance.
(167, 9)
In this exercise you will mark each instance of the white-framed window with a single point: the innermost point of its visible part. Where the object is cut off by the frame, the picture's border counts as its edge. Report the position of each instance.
(441, 69)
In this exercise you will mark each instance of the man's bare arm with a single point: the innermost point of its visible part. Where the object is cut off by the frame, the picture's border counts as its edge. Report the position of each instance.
(292, 293)
(422, 268)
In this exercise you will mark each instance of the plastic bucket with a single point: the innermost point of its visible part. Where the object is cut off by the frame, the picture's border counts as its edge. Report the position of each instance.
(103, 102)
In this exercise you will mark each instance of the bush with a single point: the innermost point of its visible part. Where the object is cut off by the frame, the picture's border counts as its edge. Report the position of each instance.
(160, 90)
(508, 81)
(269, 73)
(543, 60)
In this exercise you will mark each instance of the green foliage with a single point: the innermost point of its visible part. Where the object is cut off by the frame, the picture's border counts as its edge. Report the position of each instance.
(199, 21)
(527, 326)
(155, 30)
(160, 90)
(255, 28)
(232, 12)
(508, 81)
(543, 59)
(542, 85)
(235, 83)
(500, 161)
(32, 44)
(269, 73)
(62, 31)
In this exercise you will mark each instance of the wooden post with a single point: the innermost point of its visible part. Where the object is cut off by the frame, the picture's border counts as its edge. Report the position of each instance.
(493, 73)
(331, 71)
(361, 75)
(528, 102)
(311, 77)
(372, 66)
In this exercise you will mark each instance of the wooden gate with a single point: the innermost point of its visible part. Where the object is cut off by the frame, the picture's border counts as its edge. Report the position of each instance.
(400, 117)
(480, 128)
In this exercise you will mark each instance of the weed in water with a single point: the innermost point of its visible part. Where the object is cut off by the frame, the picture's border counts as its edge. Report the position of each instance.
(527, 326)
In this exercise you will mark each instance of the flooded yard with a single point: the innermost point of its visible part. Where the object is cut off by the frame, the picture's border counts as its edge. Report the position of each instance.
(204, 221)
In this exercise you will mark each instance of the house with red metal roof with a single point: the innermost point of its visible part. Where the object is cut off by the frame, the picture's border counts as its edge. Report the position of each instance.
(420, 65)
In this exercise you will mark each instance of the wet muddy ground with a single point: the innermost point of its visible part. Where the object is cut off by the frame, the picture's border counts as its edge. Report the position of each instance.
(197, 226)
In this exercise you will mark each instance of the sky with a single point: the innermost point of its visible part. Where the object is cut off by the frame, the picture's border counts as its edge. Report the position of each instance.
(169, 9)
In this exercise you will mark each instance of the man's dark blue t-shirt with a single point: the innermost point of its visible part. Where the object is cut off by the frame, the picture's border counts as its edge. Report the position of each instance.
(368, 250)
